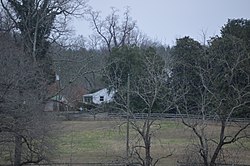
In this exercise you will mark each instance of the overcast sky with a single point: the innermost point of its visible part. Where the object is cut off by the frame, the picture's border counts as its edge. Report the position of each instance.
(166, 20)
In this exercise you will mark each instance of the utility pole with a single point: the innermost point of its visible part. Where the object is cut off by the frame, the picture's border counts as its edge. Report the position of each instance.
(128, 114)
(58, 89)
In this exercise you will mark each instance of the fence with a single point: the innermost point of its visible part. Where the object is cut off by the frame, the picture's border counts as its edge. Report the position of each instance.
(123, 164)
(157, 116)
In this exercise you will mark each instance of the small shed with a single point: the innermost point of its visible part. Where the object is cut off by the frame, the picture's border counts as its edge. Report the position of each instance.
(99, 97)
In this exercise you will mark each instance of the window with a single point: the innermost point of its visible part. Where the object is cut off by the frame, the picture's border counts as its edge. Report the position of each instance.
(88, 99)
(101, 98)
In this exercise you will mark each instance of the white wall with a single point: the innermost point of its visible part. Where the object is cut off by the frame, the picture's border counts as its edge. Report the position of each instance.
(108, 97)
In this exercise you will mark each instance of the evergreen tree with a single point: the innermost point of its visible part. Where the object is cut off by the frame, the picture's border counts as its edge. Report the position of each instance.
(239, 28)
(186, 58)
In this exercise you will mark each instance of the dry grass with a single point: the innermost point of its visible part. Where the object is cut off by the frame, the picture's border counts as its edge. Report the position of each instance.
(101, 141)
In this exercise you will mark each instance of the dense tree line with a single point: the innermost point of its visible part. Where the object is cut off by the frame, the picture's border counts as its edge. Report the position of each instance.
(222, 66)
(213, 82)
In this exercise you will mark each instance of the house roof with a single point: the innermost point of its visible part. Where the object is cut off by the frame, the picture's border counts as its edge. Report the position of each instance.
(98, 93)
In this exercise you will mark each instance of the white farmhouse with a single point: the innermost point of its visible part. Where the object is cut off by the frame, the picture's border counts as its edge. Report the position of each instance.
(101, 96)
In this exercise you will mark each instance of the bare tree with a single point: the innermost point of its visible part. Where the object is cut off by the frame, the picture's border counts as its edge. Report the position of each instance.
(222, 94)
(146, 94)
(38, 21)
(113, 32)
(28, 71)
(151, 90)
(23, 122)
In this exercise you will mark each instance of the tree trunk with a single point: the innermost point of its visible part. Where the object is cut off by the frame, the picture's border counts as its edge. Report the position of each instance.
(147, 140)
(18, 150)
(148, 156)
(219, 146)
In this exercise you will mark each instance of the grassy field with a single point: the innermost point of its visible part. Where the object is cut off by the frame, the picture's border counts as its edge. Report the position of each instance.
(104, 141)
